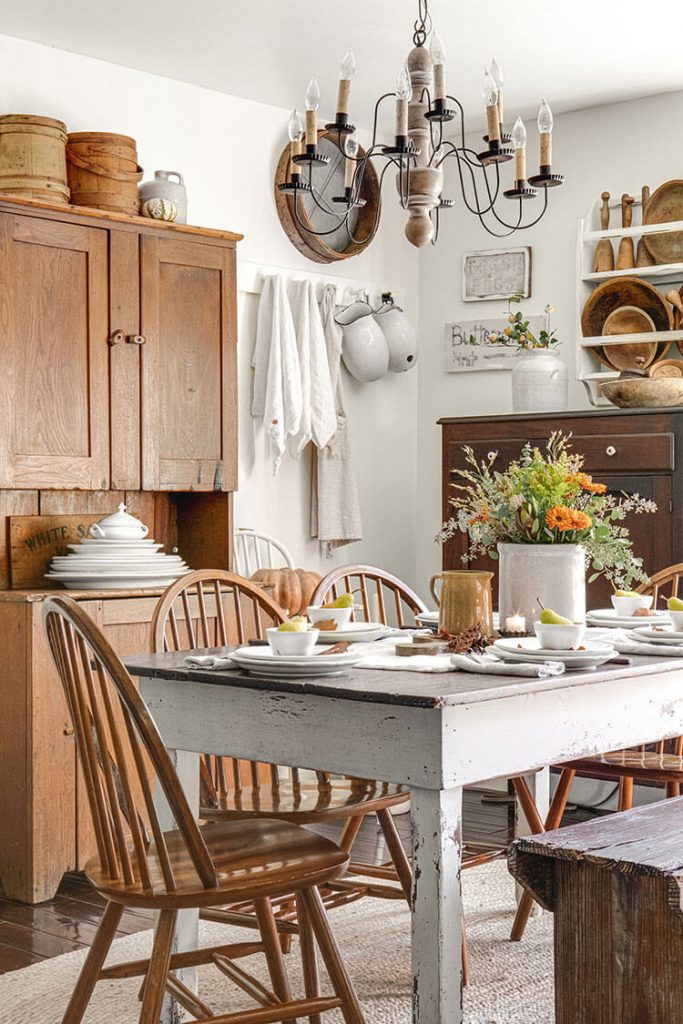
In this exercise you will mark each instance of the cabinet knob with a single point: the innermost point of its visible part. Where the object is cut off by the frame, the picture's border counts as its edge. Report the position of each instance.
(610, 450)
(136, 339)
(116, 337)
(68, 730)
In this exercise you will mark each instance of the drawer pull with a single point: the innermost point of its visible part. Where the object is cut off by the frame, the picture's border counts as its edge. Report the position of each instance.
(491, 455)
(610, 450)
(68, 730)
(116, 337)
(136, 339)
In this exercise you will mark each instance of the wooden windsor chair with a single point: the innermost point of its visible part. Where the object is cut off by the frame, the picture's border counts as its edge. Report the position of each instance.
(212, 608)
(253, 550)
(660, 762)
(139, 864)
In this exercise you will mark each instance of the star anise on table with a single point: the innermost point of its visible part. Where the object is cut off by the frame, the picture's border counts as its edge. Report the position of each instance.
(473, 639)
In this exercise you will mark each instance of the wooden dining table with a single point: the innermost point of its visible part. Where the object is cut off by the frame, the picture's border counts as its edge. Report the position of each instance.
(435, 733)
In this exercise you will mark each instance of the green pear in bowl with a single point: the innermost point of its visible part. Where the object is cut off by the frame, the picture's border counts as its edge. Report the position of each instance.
(557, 633)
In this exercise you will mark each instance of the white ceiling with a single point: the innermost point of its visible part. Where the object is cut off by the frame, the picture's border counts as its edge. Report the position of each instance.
(577, 53)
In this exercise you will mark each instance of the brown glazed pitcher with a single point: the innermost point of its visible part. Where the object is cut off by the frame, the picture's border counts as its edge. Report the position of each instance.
(464, 601)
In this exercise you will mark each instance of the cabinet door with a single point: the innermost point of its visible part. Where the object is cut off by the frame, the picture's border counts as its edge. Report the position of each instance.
(189, 387)
(54, 402)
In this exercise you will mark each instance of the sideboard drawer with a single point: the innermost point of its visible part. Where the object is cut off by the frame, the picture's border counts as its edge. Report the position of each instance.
(604, 453)
(636, 453)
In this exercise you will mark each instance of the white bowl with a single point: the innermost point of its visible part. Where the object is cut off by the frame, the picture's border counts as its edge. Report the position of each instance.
(560, 637)
(676, 620)
(630, 605)
(286, 643)
(342, 616)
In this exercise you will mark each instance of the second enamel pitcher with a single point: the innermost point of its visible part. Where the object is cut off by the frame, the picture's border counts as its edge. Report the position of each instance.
(464, 600)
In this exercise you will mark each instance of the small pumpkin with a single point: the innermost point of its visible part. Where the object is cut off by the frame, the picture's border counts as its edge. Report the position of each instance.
(160, 209)
(292, 588)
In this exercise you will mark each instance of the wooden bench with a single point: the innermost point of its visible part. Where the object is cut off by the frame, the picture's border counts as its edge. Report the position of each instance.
(615, 887)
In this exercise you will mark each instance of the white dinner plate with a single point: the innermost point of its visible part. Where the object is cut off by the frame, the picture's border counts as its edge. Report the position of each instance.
(528, 649)
(428, 618)
(353, 632)
(262, 662)
(657, 636)
(94, 543)
(608, 617)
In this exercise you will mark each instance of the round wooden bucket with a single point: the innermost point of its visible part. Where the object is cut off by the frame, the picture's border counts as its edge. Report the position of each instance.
(33, 158)
(103, 171)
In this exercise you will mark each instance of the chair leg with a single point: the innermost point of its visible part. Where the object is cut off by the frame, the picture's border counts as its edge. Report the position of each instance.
(94, 962)
(309, 960)
(157, 973)
(271, 941)
(341, 983)
(625, 793)
(398, 854)
(673, 789)
(554, 819)
(352, 827)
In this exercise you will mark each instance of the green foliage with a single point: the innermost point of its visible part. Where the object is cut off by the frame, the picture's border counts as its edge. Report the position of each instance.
(518, 335)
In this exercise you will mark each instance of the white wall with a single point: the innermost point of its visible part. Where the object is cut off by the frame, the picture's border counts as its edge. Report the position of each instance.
(619, 148)
(227, 149)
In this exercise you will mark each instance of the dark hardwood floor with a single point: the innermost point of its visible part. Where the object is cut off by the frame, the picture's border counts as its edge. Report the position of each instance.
(29, 934)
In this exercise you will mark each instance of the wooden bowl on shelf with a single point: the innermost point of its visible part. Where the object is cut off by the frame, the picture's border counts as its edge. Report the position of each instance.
(626, 293)
(668, 368)
(644, 392)
(628, 320)
(665, 205)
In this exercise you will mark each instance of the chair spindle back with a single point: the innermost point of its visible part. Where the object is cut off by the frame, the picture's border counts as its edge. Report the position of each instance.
(384, 597)
(119, 748)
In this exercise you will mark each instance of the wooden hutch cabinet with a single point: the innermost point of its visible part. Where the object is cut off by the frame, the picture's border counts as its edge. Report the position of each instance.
(118, 382)
(629, 450)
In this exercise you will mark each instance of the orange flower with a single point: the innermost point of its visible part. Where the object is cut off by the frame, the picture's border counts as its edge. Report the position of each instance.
(559, 517)
(586, 482)
(562, 518)
(483, 517)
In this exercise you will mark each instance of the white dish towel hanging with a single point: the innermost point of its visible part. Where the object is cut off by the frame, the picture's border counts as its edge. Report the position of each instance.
(278, 397)
(335, 508)
(318, 411)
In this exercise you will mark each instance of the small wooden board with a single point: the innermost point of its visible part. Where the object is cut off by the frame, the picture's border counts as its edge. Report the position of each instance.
(35, 540)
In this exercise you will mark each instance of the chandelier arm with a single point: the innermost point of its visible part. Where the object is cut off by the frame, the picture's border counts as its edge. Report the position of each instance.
(478, 209)
(311, 231)
(385, 96)
(462, 119)
(378, 210)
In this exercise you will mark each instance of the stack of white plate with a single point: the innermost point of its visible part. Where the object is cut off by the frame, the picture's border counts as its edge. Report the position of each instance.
(528, 649)
(607, 617)
(118, 556)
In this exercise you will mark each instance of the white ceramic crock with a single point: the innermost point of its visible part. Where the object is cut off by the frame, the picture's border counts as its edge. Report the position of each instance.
(164, 187)
(120, 525)
(539, 382)
(555, 573)
(401, 337)
(365, 351)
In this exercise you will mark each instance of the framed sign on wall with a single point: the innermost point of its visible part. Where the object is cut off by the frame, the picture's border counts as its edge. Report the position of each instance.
(496, 274)
(468, 346)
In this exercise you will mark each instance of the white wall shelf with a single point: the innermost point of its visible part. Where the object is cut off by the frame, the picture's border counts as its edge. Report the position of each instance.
(671, 274)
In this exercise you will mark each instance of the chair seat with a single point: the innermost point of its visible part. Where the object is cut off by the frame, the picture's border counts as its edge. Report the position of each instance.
(252, 859)
(634, 764)
(306, 802)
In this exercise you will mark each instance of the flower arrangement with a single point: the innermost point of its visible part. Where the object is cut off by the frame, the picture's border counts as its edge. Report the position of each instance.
(518, 334)
(545, 497)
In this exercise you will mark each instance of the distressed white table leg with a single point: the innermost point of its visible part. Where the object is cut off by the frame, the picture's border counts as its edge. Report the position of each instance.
(437, 906)
(539, 784)
(187, 927)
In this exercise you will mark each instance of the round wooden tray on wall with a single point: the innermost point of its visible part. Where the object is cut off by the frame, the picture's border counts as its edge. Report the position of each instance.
(627, 293)
(666, 204)
(338, 245)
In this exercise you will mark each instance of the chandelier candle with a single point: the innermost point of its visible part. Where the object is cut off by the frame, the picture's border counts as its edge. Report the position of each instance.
(403, 93)
(492, 114)
(346, 73)
(295, 131)
(496, 73)
(519, 142)
(438, 53)
(312, 104)
(545, 128)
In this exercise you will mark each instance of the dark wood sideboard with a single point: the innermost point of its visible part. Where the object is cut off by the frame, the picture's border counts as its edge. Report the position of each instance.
(634, 451)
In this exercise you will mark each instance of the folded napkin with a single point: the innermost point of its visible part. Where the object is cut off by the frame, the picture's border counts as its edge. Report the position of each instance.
(211, 662)
(489, 665)
(636, 647)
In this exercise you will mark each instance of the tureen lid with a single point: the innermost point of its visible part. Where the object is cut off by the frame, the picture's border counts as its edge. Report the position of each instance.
(121, 518)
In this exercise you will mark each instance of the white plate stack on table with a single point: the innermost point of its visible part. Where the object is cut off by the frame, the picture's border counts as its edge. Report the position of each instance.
(608, 617)
(116, 555)
(528, 649)
(262, 661)
(660, 641)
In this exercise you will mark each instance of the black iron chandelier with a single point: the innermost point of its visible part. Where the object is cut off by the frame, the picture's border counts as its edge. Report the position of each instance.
(419, 150)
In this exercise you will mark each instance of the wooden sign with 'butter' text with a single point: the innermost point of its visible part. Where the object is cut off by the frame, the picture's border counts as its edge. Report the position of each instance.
(35, 540)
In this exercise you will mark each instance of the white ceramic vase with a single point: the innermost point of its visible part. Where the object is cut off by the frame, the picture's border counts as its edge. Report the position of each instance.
(401, 337)
(555, 573)
(539, 382)
(365, 351)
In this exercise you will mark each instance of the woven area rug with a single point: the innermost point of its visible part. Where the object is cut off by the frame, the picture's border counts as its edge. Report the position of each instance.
(510, 982)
